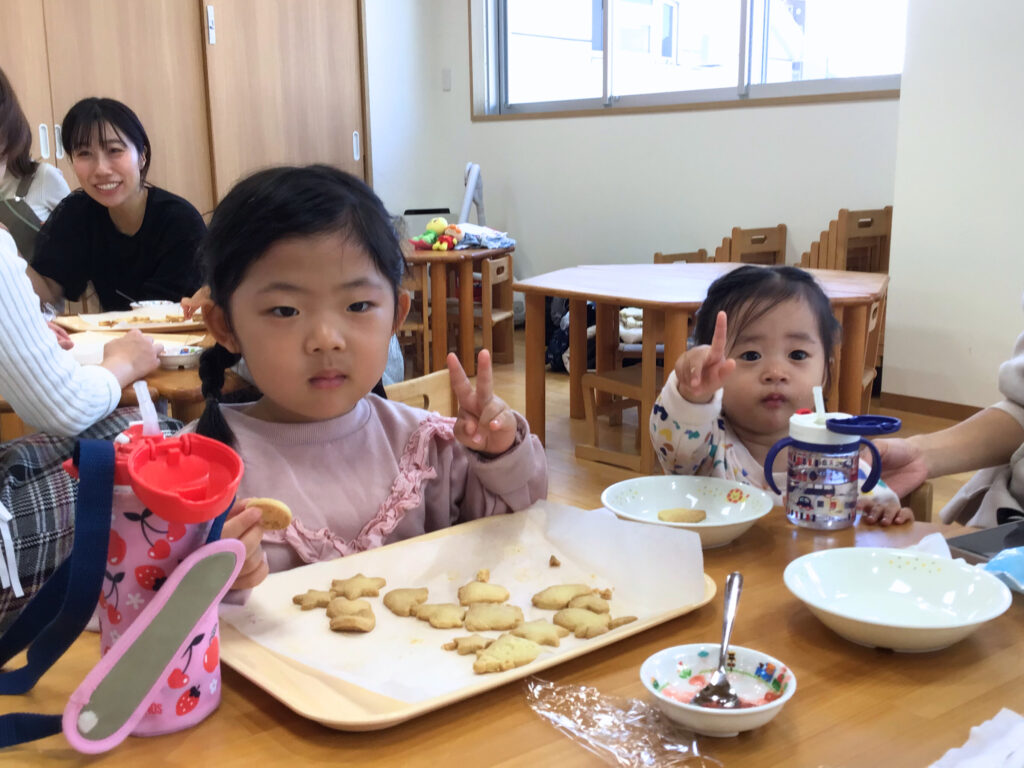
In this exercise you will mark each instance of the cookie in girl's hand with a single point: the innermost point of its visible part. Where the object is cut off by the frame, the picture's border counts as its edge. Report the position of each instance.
(276, 515)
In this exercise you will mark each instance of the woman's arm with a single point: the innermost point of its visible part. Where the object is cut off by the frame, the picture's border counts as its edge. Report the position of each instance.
(46, 289)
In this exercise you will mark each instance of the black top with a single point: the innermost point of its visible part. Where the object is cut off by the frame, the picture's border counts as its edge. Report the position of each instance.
(79, 243)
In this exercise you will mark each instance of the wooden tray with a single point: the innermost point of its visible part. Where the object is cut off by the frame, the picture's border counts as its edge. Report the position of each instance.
(399, 671)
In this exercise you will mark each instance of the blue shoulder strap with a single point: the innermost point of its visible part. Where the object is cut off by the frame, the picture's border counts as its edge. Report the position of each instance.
(59, 611)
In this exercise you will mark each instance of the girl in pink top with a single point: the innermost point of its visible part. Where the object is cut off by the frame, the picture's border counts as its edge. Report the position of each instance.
(304, 268)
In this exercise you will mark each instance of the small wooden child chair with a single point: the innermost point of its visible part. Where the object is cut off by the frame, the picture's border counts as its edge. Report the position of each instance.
(494, 310)
(432, 392)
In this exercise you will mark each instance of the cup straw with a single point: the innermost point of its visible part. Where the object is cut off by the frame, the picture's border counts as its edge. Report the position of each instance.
(819, 405)
(150, 422)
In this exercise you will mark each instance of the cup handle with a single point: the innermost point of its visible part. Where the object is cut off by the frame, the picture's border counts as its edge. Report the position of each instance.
(769, 461)
(876, 467)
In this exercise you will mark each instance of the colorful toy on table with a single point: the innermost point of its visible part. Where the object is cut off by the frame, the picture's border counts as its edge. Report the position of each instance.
(439, 236)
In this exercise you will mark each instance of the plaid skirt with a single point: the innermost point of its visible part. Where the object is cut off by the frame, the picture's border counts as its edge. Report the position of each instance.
(41, 498)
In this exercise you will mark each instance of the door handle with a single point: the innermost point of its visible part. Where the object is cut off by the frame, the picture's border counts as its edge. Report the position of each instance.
(355, 146)
(58, 140)
(44, 141)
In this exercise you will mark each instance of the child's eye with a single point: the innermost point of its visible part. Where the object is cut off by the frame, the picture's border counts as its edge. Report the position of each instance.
(360, 306)
(750, 357)
(284, 311)
(798, 354)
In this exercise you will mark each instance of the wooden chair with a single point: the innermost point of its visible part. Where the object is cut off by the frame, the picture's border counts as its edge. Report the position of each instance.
(764, 245)
(862, 239)
(432, 392)
(920, 502)
(415, 331)
(625, 387)
(494, 315)
(690, 257)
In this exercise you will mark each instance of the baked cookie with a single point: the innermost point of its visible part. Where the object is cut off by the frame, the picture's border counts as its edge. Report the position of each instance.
(485, 617)
(482, 592)
(358, 586)
(276, 515)
(313, 598)
(440, 615)
(559, 596)
(581, 622)
(590, 602)
(682, 515)
(541, 631)
(402, 601)
(507, 652)
(469, 644)
(615, 623)
(350, 615)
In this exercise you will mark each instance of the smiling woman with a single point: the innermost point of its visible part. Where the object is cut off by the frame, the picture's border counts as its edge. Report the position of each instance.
(127, 237)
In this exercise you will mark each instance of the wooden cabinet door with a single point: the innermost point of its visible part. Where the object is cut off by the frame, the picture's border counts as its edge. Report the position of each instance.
(149, 55)
(23, 60)
(285, 86)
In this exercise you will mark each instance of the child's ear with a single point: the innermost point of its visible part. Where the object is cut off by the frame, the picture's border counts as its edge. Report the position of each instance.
(219, 326)
(401, 309)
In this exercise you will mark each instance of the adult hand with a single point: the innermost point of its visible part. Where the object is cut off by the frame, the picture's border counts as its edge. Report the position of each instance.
(62, 336)
(903, 464)
(485, 423)
(701, 371)
(197, 301)
(131, 357)
(243, 523)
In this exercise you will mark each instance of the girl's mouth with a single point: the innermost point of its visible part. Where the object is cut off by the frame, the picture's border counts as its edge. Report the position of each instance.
(327, 380)
(773, 400)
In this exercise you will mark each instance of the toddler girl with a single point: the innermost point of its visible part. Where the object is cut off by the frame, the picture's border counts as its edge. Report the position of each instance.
(764, 339)
(304, 268)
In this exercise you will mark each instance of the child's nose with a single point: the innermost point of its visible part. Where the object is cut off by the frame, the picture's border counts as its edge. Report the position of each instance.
(326, 337)
(774, 372)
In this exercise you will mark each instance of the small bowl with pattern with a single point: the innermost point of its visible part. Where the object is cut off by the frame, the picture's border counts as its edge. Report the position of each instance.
(175, 356)
(896, 598)
(673, 676)
(718, 511)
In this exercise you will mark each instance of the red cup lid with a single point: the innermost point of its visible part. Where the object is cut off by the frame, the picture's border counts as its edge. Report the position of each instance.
(185, 479)
(124, 445)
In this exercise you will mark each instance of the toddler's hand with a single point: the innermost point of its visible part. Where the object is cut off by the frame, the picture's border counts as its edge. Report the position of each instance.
(485, 423)
(244, 524)
(701, 371)
(884, 514)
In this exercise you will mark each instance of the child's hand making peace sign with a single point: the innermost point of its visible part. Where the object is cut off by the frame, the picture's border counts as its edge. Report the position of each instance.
(484, 423)
(702, 370)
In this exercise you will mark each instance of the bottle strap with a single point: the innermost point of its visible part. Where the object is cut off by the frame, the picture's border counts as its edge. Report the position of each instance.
(58, 613)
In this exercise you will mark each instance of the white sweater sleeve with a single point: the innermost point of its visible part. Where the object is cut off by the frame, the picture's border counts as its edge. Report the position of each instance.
(43, 383)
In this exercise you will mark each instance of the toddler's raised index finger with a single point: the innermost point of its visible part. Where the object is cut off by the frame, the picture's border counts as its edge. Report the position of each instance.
(720, 337)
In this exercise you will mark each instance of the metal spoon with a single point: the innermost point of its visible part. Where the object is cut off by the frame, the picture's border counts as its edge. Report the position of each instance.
(718, 693)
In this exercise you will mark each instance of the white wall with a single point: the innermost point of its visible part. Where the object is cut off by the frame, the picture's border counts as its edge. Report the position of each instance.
(609, 189)
(957, 267)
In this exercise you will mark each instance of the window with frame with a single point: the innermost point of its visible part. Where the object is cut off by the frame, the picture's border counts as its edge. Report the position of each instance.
(565, 55)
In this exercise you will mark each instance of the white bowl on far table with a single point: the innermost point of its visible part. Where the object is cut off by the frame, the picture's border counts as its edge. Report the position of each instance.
(896, 598)
(730, 508)
(673, 676)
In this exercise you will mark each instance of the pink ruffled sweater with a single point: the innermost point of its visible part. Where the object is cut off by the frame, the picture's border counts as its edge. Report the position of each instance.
(381, 473)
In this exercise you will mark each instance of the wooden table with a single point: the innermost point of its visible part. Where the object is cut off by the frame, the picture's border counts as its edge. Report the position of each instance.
(439, 263)
(854, 706)
(669, 294)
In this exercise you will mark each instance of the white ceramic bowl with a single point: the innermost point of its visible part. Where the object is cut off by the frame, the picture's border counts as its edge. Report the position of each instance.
(175, 357)
(896, 598)
(675, 675)
(731, 508)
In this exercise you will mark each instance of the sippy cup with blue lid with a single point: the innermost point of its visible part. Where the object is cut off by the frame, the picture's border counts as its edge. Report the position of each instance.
(823, 462)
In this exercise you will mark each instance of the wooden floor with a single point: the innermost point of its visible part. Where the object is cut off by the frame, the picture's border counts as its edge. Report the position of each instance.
(580, 483)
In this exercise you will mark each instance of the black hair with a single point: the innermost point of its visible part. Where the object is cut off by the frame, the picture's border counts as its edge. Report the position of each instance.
(89, 117)
(267, 207)
(749, 292)
(15, 133)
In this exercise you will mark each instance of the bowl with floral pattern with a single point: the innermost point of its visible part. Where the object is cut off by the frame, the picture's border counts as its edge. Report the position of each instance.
(719, 511)
(674, 676)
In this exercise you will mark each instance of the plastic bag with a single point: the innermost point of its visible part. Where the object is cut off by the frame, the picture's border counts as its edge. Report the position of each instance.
(621, 731)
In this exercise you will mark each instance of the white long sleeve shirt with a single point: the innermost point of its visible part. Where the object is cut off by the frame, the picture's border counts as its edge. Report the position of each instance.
(43, 383)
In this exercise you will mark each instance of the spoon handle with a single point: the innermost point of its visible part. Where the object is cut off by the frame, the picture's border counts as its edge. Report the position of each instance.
(733, 587)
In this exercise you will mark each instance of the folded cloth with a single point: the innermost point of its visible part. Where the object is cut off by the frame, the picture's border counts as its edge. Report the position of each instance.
(996, 743)
(1008, 566)
(476, 236)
